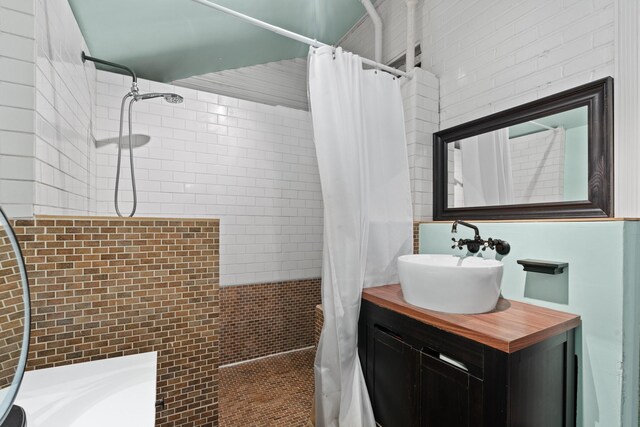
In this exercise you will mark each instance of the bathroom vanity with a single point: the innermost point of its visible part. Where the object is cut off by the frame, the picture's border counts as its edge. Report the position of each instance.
(514, 366)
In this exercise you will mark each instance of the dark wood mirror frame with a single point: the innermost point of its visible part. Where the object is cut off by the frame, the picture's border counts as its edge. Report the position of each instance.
(598, 97)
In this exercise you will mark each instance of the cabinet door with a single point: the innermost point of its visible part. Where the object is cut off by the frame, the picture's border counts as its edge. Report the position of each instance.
(394, 387)
(449, 396)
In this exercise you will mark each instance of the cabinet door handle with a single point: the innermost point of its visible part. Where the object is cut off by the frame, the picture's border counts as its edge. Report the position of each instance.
(446, 359)
(453, 362)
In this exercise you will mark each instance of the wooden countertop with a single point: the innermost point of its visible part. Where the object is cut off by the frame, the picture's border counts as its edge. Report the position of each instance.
(512, 326)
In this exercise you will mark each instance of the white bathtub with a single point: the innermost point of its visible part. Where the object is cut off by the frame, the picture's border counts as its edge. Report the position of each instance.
(106, 393)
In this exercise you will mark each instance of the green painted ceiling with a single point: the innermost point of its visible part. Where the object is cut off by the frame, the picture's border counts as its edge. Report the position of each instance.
(165, 40)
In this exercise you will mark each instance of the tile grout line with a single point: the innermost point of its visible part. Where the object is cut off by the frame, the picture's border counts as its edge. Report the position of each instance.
(242, 362)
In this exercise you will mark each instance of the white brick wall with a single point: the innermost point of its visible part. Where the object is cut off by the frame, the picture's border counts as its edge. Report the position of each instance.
(46, 103)
(420, 99)
(537, 162)
(274, 83)
(251, 165)
(393, 14)
(65, 156)
(490, 56)
(493, 55)
(17, 102)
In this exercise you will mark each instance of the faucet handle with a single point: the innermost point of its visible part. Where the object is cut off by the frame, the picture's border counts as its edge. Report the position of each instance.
(502, 247)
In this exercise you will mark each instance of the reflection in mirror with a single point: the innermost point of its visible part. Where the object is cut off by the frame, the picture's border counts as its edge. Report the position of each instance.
(14, 324)
(538, 161)
(549, 158)
(11, 311)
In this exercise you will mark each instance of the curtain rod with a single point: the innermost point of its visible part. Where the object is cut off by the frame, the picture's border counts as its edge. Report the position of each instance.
(542, 125)
(292, 35)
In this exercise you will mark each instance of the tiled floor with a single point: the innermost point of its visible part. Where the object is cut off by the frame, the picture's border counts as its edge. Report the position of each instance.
(272, 392)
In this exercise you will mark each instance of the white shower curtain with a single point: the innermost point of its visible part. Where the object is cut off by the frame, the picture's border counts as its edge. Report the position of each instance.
(362, 158)
(487, 176)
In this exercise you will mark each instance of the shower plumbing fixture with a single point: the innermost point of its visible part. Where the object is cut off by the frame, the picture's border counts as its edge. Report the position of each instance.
(134, 84)
(135, 96)
(475, 244)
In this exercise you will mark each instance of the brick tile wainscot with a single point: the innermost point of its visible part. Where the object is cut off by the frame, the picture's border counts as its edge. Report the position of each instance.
(108, 287)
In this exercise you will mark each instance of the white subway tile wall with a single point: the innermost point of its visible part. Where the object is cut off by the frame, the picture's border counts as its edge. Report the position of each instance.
(17, 99)
(493, 55)
(489, 56)
(538, 167)
(274, 83)
(393, 14)
(420, 99)
(65, 155)
(249, 164)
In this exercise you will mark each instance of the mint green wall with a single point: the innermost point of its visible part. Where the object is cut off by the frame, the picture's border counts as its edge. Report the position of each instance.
(631, 310)
(576, 162)
(165, 40)
(599, 285)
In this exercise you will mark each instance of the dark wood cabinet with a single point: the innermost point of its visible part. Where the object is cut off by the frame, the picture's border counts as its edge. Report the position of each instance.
(421, 375)
(449, 396)
(393, 380)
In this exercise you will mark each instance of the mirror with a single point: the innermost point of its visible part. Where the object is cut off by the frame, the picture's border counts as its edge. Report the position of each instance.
(550, 158)
(14, 323)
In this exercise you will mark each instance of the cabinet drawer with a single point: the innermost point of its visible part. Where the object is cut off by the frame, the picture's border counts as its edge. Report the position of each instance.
(449, 396)
(428, 338)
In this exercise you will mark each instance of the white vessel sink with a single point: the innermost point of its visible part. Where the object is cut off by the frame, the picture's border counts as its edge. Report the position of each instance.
(450, 283)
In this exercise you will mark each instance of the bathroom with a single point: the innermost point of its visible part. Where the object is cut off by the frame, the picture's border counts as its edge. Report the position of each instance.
(203, 308)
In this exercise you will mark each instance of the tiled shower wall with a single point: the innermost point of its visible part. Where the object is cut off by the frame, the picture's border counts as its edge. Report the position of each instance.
(538, 166)
(263, 319)
(17, 104)
(109, 287)
(46, 104)
(251, 165)
(65, 156)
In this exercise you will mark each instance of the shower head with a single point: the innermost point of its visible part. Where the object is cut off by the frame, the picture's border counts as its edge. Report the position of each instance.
(172, 98)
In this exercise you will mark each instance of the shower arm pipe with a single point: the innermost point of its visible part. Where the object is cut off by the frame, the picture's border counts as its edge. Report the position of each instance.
(410, 59)
(377, 28)
(86, 57)
(293, 36)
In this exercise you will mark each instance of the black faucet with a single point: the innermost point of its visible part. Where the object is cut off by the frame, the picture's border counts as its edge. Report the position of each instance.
(474, 245)
(454, 227)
